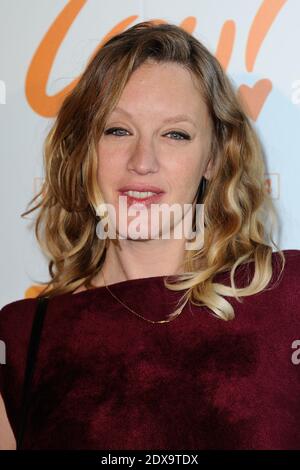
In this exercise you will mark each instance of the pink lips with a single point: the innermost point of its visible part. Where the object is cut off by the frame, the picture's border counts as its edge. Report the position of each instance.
(141, 187)
(147, 201)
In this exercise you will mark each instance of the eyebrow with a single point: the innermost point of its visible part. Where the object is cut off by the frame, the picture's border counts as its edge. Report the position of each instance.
(177, 118)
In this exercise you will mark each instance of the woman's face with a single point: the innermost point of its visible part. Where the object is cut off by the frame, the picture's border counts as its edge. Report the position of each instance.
(151, 146)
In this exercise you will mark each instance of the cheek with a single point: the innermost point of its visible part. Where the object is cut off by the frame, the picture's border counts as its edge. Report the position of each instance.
(109, 169)
(186, 177)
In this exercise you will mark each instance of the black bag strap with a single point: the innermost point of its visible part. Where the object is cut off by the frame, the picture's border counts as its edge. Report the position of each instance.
(35, 335)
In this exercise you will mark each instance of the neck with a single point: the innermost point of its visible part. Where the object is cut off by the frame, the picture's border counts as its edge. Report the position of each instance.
(132, 259)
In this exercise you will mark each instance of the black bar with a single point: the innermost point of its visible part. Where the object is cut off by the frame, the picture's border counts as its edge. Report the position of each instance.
(137, 459)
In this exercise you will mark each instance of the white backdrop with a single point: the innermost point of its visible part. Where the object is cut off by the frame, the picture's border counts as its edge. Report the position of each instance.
(263, 37)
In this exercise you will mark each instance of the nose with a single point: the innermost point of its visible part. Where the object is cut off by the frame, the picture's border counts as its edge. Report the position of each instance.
(143, 157)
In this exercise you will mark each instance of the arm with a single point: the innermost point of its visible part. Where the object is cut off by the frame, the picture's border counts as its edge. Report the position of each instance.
(7, 438)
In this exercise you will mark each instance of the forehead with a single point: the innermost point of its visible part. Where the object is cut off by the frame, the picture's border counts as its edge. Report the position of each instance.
(168, 120)
(166, 90)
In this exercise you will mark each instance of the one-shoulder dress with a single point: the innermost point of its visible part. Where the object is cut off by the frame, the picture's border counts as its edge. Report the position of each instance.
(107, 379)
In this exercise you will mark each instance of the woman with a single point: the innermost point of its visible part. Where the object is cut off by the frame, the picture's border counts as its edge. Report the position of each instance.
(139, 348)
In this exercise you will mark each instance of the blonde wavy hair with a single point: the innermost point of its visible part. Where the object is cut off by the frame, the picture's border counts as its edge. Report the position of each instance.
(236, 200)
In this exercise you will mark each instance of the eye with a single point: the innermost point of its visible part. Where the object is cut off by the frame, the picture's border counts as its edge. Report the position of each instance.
(114, 129)
(182, 135)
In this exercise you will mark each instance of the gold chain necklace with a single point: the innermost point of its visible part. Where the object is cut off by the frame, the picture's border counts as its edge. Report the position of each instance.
(176, 313)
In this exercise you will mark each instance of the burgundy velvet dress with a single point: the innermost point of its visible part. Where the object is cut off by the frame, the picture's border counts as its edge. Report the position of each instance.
(106, 379)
